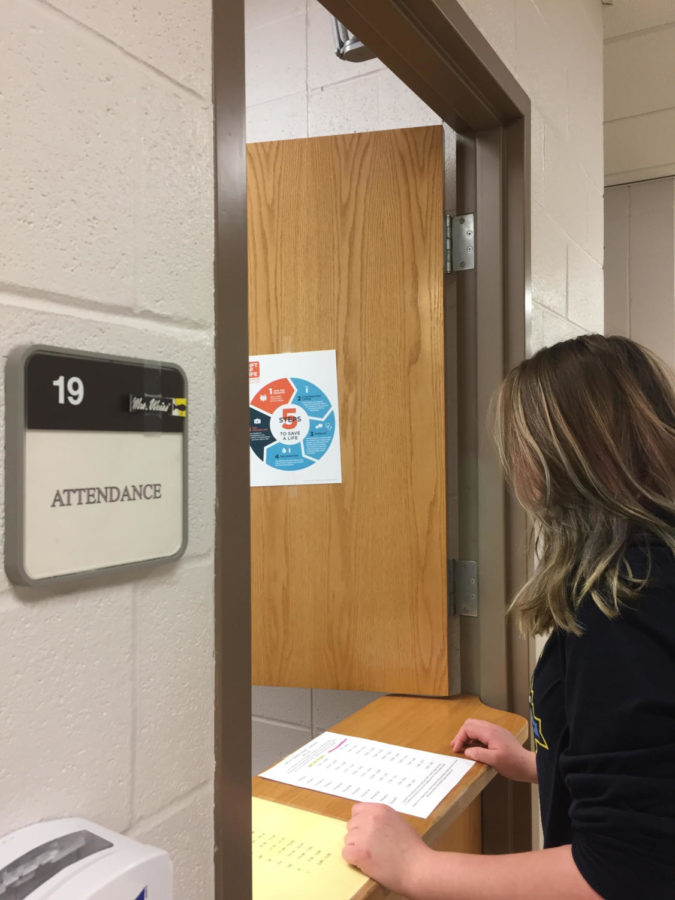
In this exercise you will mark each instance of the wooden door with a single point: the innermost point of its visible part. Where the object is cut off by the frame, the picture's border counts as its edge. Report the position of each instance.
(346, 252)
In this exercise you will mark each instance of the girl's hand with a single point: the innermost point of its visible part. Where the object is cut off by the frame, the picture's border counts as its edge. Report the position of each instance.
(384, 846)
(493, 745)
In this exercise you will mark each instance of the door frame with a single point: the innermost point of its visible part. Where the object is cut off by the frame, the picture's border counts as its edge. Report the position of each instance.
(435, 48)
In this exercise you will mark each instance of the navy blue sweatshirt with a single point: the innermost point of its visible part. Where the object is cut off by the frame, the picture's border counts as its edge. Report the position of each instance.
(603, 718)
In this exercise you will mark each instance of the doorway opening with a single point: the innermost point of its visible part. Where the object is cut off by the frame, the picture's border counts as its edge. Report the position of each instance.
(441, 56)
(305, 91)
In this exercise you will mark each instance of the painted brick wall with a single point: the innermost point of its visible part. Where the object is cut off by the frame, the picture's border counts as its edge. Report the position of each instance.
(555, 51)
(297, 88)
(106, 243)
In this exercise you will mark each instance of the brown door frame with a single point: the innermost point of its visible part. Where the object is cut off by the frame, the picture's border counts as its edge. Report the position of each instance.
(433, 46)
(232, 587)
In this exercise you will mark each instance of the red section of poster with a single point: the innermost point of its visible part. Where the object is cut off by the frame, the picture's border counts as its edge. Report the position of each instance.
(273, 395)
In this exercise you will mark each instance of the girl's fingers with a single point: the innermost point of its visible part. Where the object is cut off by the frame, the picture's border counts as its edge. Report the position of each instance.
(472, 730)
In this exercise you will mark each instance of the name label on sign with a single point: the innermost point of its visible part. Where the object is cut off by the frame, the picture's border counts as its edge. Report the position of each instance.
(172, 406)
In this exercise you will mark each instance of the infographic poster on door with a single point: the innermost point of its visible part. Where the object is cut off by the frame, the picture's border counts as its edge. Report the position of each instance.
(294, 426)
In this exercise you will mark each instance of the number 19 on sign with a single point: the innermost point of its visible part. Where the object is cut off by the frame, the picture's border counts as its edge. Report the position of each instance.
(71, 390)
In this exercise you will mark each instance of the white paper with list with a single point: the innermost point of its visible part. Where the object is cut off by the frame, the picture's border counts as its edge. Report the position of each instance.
(410, 781)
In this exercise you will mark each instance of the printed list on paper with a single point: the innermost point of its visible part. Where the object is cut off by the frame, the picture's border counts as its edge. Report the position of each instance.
(292, 848)
(410, 781)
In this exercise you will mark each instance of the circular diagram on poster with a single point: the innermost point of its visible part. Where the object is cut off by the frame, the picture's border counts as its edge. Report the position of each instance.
(291, 424)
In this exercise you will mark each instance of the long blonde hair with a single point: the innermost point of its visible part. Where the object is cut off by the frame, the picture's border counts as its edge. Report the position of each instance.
(586, 433)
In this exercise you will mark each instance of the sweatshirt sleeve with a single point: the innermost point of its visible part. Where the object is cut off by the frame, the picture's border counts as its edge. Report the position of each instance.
(619, 764)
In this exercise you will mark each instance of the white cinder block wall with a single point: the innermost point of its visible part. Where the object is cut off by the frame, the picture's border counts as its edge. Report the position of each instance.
(106, 243)
(555, 51)
(297, 88)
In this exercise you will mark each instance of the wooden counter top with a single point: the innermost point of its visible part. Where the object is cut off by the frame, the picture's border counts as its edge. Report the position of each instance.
(424, 723)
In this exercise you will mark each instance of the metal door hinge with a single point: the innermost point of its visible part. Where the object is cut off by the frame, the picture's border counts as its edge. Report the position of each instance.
(459, 243)
(462, 587)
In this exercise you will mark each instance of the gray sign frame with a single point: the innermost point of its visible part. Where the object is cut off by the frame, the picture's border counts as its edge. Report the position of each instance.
(15, 465)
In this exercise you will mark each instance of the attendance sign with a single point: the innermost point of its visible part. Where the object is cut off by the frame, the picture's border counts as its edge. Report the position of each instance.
(95, 463)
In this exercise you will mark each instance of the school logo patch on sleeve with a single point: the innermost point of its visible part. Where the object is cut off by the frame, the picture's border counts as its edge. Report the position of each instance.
(538, 734)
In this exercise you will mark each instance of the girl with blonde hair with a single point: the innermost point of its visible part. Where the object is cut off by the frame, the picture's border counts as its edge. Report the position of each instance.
(586, 434)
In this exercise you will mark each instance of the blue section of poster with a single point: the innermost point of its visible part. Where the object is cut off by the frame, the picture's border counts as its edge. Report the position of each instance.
(289, 457)
(311, 398)
(259, 433)
(320, 435)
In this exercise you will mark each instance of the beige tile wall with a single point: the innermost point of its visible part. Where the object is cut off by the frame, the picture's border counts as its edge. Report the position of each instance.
(640, 264)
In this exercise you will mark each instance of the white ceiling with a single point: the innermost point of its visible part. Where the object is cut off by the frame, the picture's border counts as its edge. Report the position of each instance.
(625, 16)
